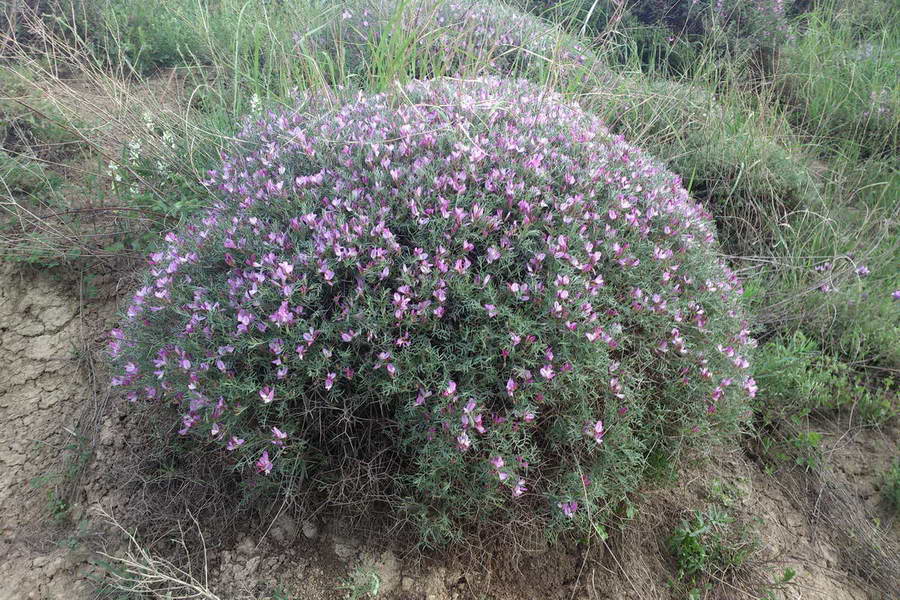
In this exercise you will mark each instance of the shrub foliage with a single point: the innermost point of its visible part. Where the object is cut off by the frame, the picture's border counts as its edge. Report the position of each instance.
(467, 300)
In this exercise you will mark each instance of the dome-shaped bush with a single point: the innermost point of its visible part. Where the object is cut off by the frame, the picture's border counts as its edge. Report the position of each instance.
(463, 299)
(451, 37)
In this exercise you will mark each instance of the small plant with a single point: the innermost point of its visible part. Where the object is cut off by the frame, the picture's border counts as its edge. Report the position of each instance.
(709, 545)
(725, 493)
(780, 582)
(890, 486)
(799, 379)
(363, 582)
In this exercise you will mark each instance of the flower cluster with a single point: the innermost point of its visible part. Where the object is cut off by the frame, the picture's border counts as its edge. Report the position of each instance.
(470, 291)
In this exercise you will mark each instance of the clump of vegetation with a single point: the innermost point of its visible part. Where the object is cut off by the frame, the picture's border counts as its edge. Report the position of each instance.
(672, 34)
(890, 486)
(148, 36)
(31, 129)
(839, 80)
(796, 375)
(710, 545)
(414, 296)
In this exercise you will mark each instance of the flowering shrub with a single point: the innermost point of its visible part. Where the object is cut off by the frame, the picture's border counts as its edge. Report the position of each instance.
(464, 299)
(452, 37)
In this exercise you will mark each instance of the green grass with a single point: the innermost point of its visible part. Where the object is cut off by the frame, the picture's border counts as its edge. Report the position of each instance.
(839, 82)
(890, 486)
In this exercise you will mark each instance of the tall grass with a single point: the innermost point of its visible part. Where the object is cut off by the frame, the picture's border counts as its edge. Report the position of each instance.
(839, 81)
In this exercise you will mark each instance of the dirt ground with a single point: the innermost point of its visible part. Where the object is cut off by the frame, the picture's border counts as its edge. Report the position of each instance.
(62, 434)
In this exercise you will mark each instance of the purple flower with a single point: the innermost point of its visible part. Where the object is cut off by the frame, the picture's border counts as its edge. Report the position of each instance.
(329, 380)
(233, 443)
(282, 316)
(596, 431)
(750, 387)
(568, 508)
(463, 442)
(264, 465)
(896, 295)
(267, 394)
(862, 270)
(280, 436)
(511, 386)
(519, 488)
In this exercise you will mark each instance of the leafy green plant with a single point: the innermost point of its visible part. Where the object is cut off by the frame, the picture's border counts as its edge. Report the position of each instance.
(798, 378)
(710, 544)
(363, 582)
(890, 486)
(779, 582)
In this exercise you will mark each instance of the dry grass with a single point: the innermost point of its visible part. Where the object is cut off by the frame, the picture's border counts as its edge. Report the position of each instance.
(142, 573)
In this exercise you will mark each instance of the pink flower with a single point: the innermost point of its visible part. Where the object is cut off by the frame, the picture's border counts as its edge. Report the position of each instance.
(329, 380)
(451, 389)
(267, 394)
(492, 254)
(750, 387)
(862, 270)
(491, 310)
(497, 461)
(896, 295)
(511, 386)
(596, 431)
(264, 465)
(568, 508)
(280, 436)
(463, 442)
(420, 399)
(519, 488)
(233, 443)
(547, 372)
